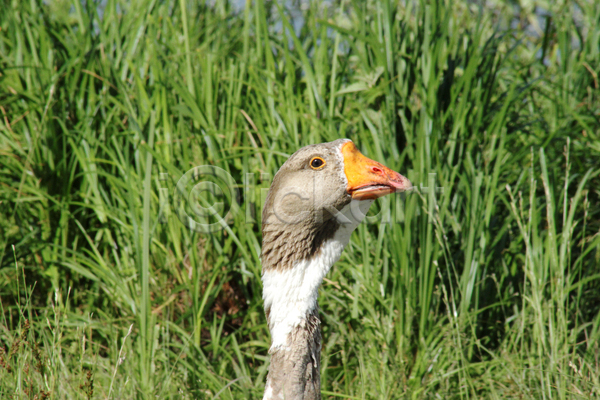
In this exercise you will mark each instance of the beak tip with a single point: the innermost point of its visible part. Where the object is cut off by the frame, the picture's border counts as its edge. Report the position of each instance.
(401, 184)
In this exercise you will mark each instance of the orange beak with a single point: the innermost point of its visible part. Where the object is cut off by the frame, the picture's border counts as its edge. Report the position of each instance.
(368, 179)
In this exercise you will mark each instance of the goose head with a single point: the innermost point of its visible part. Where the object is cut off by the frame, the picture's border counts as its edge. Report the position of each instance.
(317, 198)
(318, 181)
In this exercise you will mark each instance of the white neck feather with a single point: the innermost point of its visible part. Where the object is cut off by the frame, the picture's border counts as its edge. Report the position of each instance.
(291, 294)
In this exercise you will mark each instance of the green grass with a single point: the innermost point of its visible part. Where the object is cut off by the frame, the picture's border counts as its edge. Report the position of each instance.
(486, 287)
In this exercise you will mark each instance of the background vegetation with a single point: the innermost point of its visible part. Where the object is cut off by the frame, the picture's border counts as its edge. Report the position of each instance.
(487, 287)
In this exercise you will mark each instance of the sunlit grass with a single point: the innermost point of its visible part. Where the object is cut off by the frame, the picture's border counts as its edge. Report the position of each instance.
(484, 283)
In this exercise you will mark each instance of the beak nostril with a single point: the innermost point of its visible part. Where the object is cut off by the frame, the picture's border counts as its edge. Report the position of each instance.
(377, 170)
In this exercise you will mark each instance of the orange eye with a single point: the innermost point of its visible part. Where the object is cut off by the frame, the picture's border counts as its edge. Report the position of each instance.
(317, 163)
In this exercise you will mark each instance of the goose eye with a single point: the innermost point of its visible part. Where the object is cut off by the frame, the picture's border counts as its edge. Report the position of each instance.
(317, 163)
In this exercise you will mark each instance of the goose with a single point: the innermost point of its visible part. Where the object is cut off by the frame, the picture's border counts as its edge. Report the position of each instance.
(316, 199)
